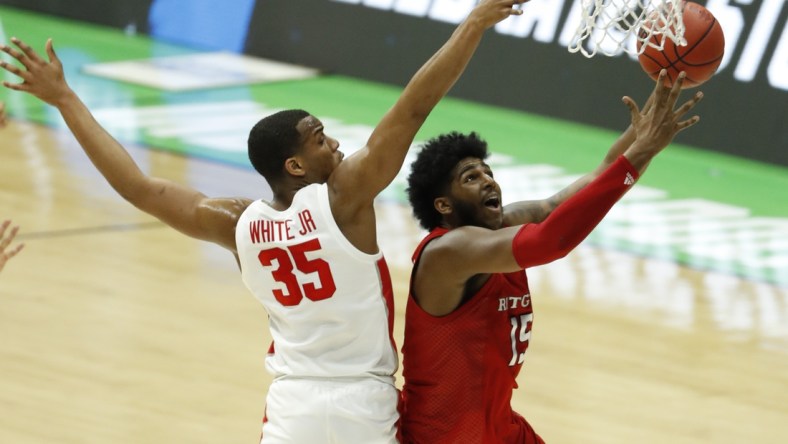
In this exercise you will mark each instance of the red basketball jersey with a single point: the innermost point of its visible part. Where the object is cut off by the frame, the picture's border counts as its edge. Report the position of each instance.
(460, 369)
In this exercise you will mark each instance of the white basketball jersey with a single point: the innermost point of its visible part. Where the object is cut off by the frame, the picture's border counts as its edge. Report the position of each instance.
(330, 306)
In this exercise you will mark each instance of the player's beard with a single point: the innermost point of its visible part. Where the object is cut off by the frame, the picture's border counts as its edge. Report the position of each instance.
(470, 214)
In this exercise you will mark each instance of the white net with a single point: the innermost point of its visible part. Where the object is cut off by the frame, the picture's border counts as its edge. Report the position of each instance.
(611, 27)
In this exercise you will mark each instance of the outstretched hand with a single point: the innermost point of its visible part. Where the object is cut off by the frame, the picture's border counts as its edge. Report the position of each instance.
(6, 241)
(490, 12)
(660, 120)
(41, 78)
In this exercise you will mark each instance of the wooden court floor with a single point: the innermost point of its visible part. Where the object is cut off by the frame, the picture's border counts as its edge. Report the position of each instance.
(116, 329)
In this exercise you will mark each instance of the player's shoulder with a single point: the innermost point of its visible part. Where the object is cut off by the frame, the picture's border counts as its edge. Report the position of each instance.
(230, 208)
(457, 237)
(236, 205)
(311, 194)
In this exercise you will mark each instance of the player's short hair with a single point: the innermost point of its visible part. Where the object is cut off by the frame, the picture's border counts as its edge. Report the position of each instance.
(430, 174)
(272, 140)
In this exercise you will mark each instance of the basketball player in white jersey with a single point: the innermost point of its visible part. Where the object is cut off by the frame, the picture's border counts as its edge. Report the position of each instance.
(310, 255)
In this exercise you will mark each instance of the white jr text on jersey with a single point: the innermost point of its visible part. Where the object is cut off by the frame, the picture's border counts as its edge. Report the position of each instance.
(266, 230)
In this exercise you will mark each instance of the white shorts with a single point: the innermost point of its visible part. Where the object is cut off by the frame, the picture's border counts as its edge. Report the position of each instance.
(323, 411)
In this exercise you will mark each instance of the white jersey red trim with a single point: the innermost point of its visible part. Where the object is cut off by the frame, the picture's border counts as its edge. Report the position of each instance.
(330, 306)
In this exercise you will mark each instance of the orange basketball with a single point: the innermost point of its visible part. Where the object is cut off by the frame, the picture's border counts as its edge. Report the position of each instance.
(700, 58)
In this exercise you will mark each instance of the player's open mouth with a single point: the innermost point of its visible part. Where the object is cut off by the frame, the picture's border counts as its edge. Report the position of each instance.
(493, 203)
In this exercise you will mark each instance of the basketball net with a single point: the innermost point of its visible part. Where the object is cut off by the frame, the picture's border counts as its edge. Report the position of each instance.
(615, 26)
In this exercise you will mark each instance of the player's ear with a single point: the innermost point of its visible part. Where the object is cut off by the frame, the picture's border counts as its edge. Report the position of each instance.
(294, 167)
(442, 205)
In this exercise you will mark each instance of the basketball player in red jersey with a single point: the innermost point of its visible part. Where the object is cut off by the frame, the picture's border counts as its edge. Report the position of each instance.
(310, 255)
(469, 315)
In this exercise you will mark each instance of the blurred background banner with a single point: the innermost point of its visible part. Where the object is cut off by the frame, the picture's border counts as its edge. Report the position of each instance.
(523, 65)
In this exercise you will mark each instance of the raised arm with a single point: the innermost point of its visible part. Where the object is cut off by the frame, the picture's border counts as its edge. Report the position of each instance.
(370, 170)
(535, 211)
(180, 207)
(470, 251)
(535, 244)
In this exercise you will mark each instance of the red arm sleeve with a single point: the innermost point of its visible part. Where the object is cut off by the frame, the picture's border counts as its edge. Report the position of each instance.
(574, 219)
